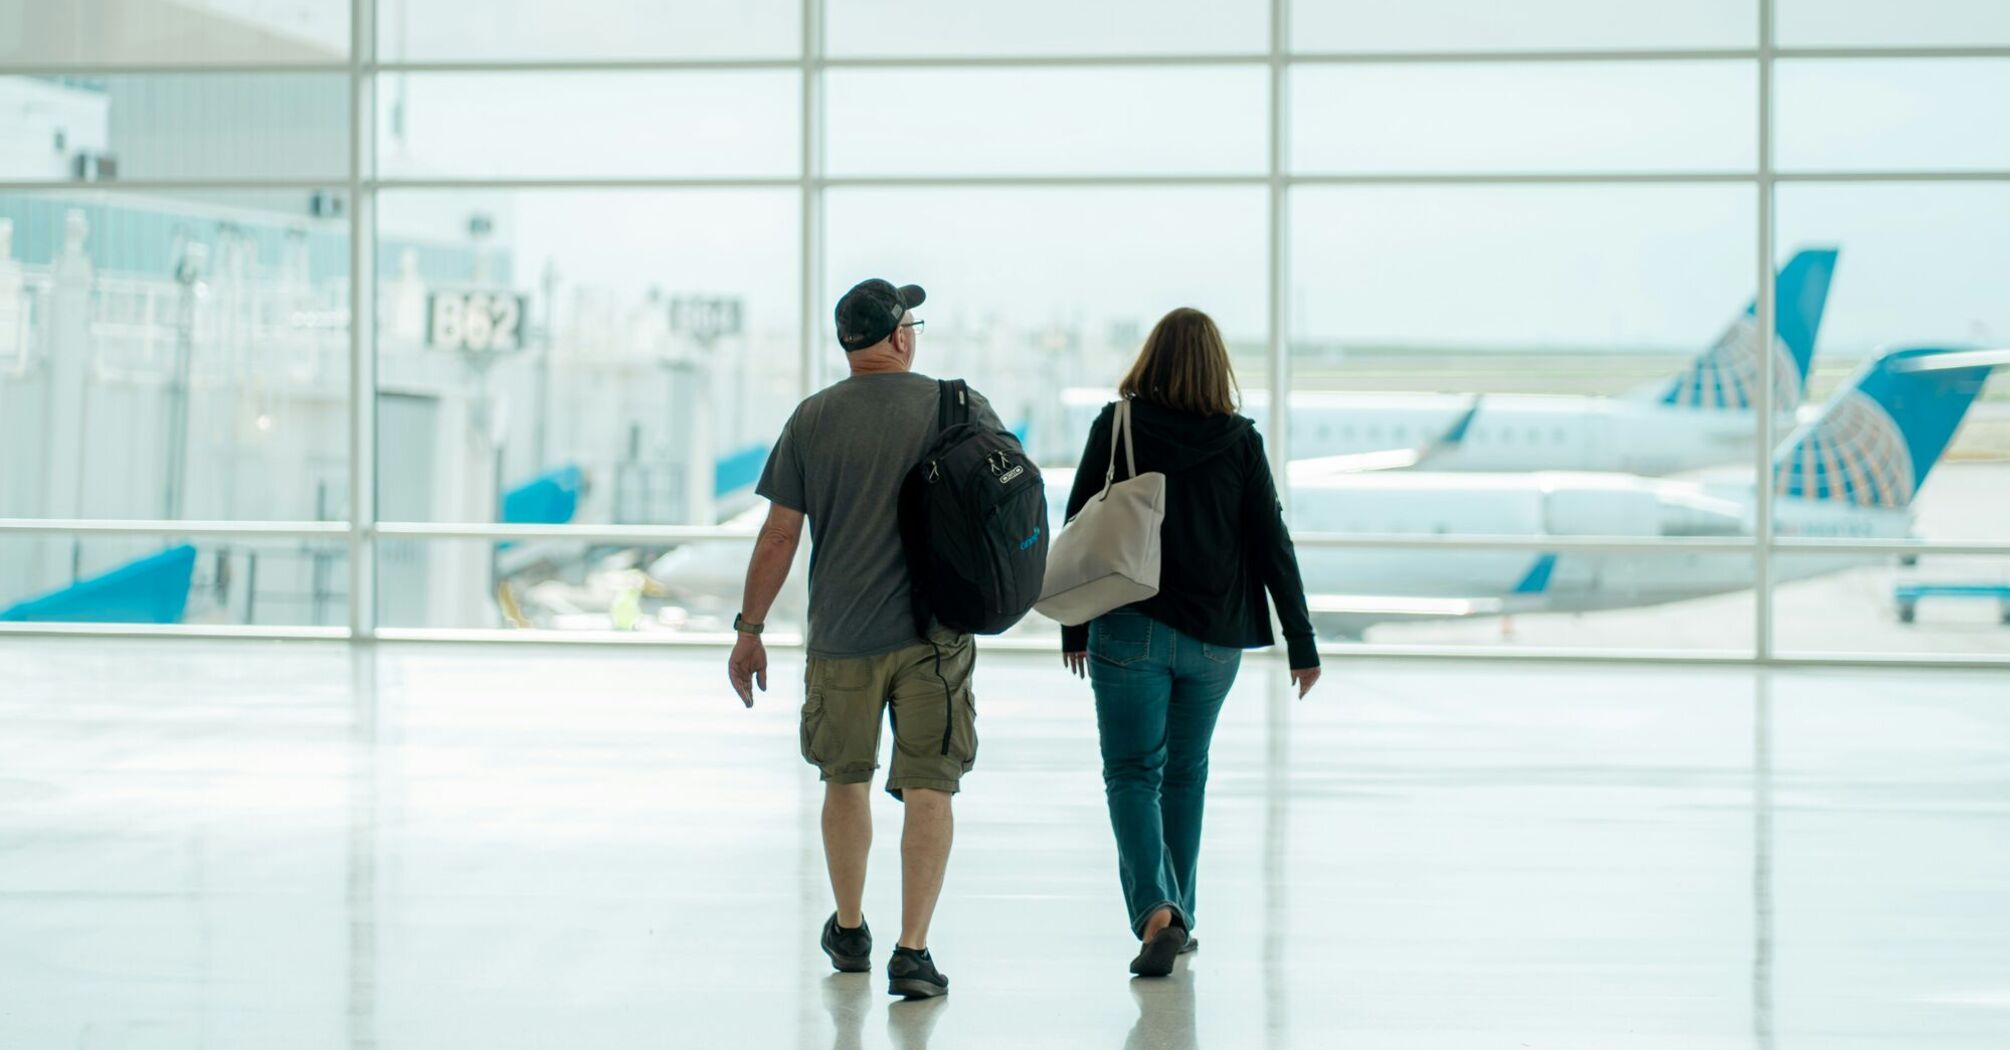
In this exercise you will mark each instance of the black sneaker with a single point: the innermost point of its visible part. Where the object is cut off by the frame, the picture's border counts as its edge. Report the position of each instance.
(850, 950)
(1192, 944)
(1155, 959)
(912, 974)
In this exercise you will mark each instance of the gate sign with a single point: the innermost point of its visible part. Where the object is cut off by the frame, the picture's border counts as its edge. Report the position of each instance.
(705, 318)
(478, 322)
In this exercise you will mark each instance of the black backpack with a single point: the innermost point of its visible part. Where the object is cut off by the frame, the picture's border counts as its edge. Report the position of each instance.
(973, 521)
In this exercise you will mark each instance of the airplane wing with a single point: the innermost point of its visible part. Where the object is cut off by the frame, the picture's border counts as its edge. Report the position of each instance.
(1308, 470)
(1349, 615)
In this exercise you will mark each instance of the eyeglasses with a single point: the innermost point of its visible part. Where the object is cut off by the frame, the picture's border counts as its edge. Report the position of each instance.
(911, 324)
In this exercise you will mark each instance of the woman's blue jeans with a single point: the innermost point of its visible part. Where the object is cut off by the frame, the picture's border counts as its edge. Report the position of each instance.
(1158, 693)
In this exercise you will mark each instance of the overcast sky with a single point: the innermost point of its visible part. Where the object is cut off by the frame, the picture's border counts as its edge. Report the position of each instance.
(1653, 265)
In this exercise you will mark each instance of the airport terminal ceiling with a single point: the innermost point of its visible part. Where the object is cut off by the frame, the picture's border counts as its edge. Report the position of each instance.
(1498, 293)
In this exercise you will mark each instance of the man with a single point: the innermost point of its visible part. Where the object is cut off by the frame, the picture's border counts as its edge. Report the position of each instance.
(839, 463)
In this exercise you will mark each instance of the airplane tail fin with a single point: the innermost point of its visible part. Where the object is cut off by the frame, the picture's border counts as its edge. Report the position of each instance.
(1726, 376)
(1879, 437)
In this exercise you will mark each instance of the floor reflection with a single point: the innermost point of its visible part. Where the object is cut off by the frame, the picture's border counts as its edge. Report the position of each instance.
(847, 999)
(361, 880)
(407, 848)
(1762, 861)
(1276, 840)
(909, 1025)
(1165, 1013)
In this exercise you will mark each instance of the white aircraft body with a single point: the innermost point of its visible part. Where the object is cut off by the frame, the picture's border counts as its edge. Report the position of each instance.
(1851, 472)
(1701, 417)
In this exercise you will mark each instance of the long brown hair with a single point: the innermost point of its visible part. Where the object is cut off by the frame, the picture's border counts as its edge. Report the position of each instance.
(1184, 366)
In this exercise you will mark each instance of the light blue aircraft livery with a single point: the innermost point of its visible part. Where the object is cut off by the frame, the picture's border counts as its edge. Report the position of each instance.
(1853, 471)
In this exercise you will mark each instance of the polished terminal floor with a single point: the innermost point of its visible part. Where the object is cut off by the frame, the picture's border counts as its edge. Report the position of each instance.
(304, 845)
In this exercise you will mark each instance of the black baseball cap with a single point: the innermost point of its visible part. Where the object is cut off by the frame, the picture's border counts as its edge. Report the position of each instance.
(872, 310)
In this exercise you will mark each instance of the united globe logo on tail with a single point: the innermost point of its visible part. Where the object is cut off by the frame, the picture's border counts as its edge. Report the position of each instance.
(1876, 442)
(1727, 375)
(1858, 455)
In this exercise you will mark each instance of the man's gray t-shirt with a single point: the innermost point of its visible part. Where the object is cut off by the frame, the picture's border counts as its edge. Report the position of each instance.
(840, 461)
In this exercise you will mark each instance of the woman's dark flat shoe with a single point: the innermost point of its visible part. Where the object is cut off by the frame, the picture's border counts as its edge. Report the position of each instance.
(1155, 959)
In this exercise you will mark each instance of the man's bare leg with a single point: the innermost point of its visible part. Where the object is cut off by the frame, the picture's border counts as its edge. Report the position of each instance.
(924, 856)
(847, 842)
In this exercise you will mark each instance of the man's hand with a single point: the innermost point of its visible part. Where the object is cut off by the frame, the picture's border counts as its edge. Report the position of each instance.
(774, 549)
(1077, 663)
(1304, 678)
(748, 666)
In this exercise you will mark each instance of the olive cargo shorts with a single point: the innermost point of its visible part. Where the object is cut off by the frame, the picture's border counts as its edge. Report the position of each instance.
(933, 711)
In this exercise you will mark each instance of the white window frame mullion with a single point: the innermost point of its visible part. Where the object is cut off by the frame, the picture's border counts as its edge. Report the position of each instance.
(362, 325)
(1766, 309)
(1254, 178)
(811, 194)
(1277, 185)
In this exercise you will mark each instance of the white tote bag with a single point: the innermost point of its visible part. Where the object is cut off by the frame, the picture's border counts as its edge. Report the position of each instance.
(1107, 556)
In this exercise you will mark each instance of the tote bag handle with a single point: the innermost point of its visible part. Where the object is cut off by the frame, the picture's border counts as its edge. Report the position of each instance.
(1121, 426)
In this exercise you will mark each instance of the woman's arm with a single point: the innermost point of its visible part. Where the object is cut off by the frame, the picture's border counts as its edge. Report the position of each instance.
(1275, 557)
(1095, 463)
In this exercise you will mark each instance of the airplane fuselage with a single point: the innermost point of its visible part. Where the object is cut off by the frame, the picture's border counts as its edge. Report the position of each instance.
(1543, 505)
(1520, 432)
(1509, 432)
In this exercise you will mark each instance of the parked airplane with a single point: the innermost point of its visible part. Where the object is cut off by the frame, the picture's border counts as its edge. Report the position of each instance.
(1700, 417)
(1852, 472)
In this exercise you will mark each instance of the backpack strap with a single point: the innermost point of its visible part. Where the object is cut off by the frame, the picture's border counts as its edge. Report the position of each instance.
(952, 403)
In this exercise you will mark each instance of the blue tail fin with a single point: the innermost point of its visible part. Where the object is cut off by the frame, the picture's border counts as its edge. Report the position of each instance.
(1726, 376)
(153, 589)
(1879, 437)
(551, 498)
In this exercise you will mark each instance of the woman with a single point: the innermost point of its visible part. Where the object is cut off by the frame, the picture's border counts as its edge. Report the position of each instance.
(1160, 667)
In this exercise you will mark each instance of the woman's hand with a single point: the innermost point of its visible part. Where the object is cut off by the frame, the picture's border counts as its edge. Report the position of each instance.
(1304, 678)
(1076, 662)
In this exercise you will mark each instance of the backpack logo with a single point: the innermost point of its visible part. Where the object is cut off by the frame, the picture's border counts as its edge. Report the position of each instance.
(1027, 543)
(1001, 466)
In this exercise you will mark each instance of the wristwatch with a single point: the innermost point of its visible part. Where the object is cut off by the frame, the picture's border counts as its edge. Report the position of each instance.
(741, 625)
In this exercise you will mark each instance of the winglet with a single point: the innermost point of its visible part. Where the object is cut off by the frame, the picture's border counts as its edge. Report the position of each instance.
(1457, 435)
(1537, 580)
(1311, 471)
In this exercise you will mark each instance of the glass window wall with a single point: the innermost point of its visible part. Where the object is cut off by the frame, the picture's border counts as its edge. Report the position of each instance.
(1494, 278)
